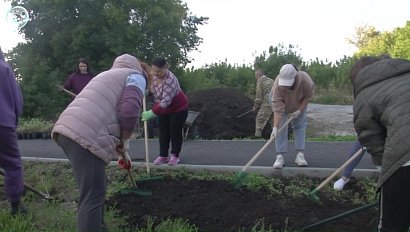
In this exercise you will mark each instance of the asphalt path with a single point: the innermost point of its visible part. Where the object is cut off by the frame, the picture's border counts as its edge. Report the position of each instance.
(218, 152)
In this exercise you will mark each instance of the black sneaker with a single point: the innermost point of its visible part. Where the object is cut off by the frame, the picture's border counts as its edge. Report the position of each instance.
(18, 208)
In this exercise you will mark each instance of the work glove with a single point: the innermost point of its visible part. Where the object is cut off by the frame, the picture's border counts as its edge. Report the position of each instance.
(122, 149)
(147, 115)
(124, 164)
(274, 132)
(295, 114)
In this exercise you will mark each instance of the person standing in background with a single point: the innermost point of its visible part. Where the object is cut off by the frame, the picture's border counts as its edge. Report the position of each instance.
(171, 108)
(11, 105)
(262, 102)
(381, 111)
(291, 93)
(80, 78)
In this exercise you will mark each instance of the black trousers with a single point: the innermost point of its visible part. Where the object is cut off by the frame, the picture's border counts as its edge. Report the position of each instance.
(395, 202)
(170, 131)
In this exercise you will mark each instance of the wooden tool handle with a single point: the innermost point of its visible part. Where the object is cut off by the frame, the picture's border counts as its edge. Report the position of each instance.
(266, 145)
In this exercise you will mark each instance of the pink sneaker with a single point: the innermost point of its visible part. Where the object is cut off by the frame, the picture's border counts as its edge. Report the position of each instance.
(174, 160)
(160, 160)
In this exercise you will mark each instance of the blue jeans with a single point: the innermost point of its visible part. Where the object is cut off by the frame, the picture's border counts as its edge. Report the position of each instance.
(349, 168)
(299, 130)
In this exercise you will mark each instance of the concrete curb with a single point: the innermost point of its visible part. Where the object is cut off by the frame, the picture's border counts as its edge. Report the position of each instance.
(265, 171)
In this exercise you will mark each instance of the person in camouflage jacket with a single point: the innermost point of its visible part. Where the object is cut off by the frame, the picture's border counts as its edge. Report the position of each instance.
(261, 102)
(382, 121)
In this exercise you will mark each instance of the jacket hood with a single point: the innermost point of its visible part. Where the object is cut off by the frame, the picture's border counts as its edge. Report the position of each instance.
(380, 71)
(127, 61)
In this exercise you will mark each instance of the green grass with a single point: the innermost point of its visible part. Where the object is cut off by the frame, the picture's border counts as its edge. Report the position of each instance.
(332, 138)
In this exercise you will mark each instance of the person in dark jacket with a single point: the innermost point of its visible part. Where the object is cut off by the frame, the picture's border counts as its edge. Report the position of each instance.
(171, 107)
(11, 105)
(382, 121)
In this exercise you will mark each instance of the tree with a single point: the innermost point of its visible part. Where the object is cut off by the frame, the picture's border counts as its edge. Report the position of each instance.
(362, 36)
(395, 43)
(59, 32)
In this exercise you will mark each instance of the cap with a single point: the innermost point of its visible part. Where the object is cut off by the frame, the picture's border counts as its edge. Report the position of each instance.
(287, 75)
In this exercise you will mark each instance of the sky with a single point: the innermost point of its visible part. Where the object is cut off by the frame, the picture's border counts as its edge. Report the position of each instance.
(239, 30)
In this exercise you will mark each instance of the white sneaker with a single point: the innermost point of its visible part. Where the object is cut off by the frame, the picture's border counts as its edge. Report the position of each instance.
(279, 162)
(300, 160)
(339, 184)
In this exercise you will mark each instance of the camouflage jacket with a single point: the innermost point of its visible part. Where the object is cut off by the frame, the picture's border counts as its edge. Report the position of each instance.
(263, 87)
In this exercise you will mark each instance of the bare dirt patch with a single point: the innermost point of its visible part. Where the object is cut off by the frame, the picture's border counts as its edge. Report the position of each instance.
(217, 206)
(219, 107)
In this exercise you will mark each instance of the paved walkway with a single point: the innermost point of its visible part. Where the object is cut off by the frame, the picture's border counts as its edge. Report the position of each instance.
(231, 155)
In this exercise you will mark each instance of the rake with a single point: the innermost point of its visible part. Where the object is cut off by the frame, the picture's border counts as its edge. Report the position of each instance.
(339, 216)
(241, 176)
(149, 177)
(312, 195)
(135, 188)
(34, 190)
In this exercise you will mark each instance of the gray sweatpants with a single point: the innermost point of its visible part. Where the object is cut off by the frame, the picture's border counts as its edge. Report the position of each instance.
(89, 173)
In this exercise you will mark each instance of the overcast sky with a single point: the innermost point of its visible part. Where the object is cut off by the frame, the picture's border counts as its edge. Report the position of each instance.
(239, 30)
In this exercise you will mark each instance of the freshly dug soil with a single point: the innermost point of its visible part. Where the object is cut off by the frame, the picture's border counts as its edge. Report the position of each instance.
(219, 109)
(217, 206)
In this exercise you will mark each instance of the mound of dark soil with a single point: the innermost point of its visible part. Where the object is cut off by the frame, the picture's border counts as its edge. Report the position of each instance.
(219, 109)
(217, 206)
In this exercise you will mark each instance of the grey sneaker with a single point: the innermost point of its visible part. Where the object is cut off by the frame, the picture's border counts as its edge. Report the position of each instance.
(300, 160)
(279, 162)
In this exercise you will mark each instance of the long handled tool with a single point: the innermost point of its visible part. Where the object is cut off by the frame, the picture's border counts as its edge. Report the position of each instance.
(241, 115)
(135, 190)
(342, 215)
(241, 176)
(34, 190)
(66, 90)
(312, 194)
(149, 177)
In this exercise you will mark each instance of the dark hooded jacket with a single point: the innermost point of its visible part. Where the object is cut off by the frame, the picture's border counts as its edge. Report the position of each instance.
(382, 113)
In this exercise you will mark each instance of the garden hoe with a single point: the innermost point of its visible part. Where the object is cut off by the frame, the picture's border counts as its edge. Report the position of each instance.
(312, 195)
(149, 177)
(34, 190)
(240, 178)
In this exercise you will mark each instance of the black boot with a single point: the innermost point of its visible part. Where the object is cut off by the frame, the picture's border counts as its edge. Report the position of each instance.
(18, 208)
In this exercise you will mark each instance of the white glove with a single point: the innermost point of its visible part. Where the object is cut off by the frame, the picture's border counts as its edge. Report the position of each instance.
(295, 114)
(274, 132)
(379, 168)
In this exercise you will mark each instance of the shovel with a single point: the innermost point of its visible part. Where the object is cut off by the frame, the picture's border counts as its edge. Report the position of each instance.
(241, 115)
(34, 190)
